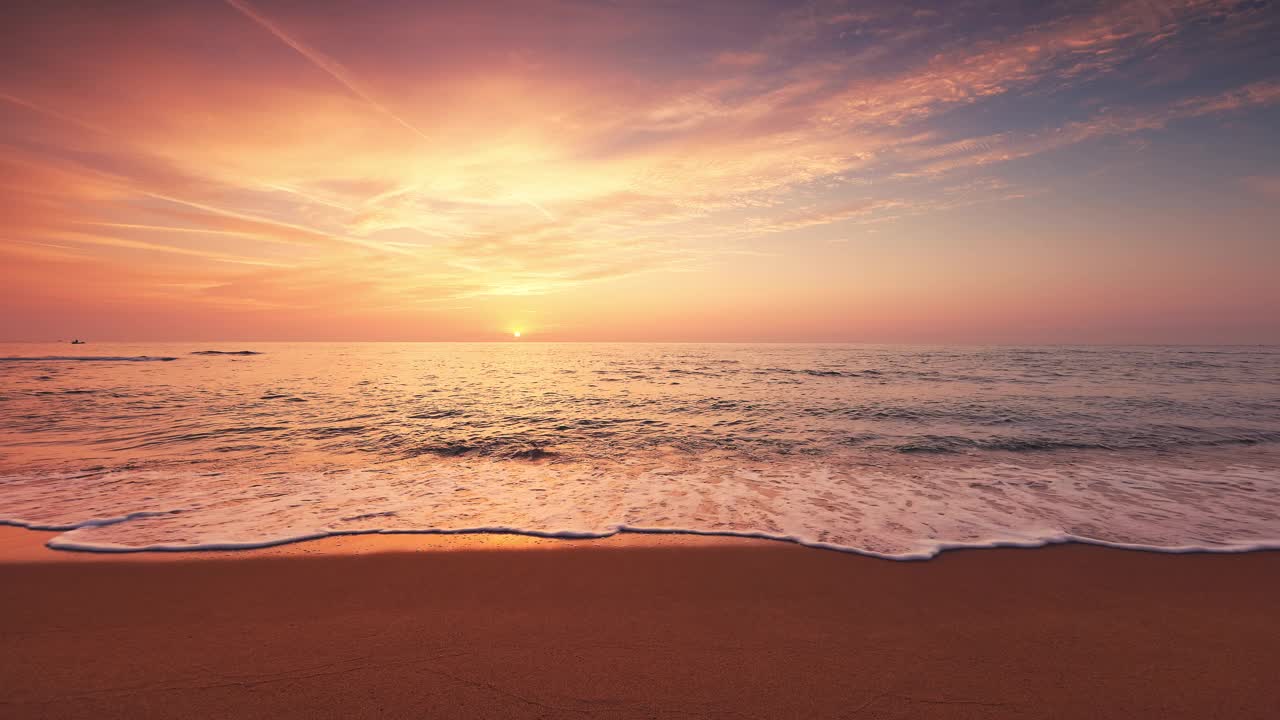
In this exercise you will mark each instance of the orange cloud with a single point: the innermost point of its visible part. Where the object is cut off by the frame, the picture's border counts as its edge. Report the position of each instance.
(292, 160)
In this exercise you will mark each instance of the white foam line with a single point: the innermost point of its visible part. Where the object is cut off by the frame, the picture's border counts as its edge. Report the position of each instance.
(92, 522)
(933, 551)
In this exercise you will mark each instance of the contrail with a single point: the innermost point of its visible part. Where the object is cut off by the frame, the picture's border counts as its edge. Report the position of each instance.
(49, 112)
(333, 67)
(154, 247)
(535, 206)
(306, 196)
(168, 229)
(301, 229)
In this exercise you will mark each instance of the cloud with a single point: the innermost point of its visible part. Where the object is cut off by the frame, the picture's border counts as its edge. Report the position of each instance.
(811, 217)
(556, 148)
(994, 149)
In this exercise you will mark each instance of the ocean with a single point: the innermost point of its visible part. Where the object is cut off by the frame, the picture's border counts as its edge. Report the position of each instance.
(893, 451)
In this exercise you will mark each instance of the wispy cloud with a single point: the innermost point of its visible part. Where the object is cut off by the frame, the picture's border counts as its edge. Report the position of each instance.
(547, 150)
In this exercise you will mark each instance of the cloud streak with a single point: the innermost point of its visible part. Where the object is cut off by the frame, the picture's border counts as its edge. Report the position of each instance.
(323, 62)
(563, 159)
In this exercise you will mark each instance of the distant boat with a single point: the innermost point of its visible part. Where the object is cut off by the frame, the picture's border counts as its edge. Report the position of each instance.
(77, 342)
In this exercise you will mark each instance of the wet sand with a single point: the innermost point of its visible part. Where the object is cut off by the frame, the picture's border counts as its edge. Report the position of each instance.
(633, 627)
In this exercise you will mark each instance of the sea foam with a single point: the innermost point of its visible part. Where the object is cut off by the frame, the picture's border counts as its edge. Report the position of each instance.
(880, 513)
(892, 452)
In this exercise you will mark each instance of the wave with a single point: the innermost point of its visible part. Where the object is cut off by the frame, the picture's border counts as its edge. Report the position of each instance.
(927, 550)
(820, 372)
(89, 358)
(809, 445)
(956, 444)
(90, 523)
(1163, 503)
(161, 440)
(497, 449)
(226, 352)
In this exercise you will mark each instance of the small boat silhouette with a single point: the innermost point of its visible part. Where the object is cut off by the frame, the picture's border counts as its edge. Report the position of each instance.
(77, 342)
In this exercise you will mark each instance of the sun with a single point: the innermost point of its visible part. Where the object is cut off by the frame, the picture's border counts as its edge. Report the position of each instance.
(515, 333)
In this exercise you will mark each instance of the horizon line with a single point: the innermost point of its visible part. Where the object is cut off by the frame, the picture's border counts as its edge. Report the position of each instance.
(523, 341)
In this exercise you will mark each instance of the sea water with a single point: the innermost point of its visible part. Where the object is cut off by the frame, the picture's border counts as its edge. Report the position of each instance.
(892, 451)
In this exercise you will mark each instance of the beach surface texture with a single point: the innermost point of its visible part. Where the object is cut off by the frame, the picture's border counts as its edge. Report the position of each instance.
(633, 627)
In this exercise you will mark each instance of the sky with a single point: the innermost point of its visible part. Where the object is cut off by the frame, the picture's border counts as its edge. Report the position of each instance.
(891, 172)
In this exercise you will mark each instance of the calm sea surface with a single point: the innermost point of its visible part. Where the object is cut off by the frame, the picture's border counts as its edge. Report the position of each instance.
(896, 451)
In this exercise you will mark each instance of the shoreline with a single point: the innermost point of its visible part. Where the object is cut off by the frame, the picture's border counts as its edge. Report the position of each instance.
(23, 545)
(633, 627)
(505, 538)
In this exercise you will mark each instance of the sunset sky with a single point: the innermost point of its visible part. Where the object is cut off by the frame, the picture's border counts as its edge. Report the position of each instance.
(740, 171)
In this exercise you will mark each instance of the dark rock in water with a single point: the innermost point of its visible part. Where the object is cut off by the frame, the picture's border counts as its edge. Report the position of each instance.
(226, 352)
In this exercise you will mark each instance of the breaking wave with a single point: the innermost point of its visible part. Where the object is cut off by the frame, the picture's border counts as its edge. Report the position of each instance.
(893, 452)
